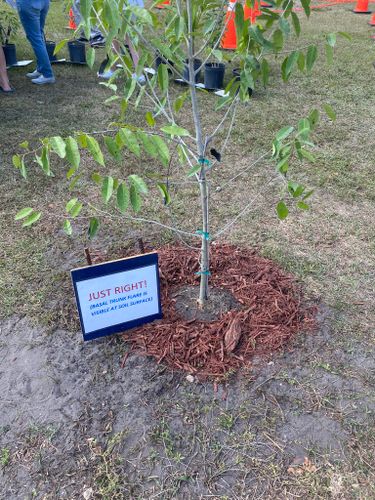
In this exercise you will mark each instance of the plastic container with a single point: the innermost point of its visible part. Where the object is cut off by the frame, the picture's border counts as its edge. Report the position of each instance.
(77, 52)
(186, 73)
(214, 75)
(10, 54)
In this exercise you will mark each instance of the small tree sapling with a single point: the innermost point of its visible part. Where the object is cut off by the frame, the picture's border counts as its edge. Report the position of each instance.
(187, 31)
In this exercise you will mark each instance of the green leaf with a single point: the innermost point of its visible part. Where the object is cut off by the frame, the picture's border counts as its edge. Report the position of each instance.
(150, 119)
(90, 57)
(138, 183)
(70, 204)
(331, 39)
(135, 198)
(72, 152)
(291, 61)
(94, 148)
(129, 140)
(82, 140)
(346, 35)
(218, 54)
(24, 145)
(163, 77)
(284, 133)
(306, 7)
(313, 118)
(17, 161)
(93, 227)
(123, 197)
(23, 213)
(265, 69)
(329, 54)
(148, 144)
(97, 178)
(284, 25)
(311, 56)
(74, 182)
(44, 161)
(283, 165)
(295, 189)
(194, 170)
(282, 210)
(107, 188)
(76, 209)
(165, 193)
(303, 206)
(175, 130)
(301, 61)
(278, 40)
(296, 23)
(239, 20)
(23, 169)
(113, 148)
(32, 218)
(329, 112)
(60, 45)
(67, 227)
(162, 149)
(308, 194)
(57, 143)
(179, 102)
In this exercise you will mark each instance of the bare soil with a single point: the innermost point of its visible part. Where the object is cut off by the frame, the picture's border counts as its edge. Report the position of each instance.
(187, 305)
(77, 425)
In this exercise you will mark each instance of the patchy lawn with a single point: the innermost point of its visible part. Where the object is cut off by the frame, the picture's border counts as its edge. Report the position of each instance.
(74, 423)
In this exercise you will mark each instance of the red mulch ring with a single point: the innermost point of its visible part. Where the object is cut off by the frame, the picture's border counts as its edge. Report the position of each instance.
(272, 313)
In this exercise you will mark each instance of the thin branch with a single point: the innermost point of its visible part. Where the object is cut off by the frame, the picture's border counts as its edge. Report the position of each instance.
(258, 160)
(146, 221)
(244, 210)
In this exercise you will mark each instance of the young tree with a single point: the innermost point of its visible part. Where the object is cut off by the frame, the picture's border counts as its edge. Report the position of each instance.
(188, 31)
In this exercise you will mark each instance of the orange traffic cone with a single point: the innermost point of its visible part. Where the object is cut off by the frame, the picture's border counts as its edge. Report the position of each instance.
(252, 13)
(162, 5)
(229, 40)
(72, 25)
(361, 7)
(372, 20)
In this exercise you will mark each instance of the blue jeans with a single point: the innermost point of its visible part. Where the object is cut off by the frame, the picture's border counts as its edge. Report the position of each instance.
(33, 15)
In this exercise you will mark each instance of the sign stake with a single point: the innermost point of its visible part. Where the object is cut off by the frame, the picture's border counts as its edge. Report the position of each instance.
(88, 256)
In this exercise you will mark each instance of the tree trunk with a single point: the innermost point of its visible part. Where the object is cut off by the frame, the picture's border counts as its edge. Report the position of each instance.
(205, 248)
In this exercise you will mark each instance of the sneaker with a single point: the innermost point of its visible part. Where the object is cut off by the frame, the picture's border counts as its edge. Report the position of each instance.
(42, 80)
(34, 74)
(140, 79)
(107, 74)
(97, 41)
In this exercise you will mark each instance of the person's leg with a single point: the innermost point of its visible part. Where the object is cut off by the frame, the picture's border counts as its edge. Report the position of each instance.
(4, 82)
(76, 7)
(33, 20)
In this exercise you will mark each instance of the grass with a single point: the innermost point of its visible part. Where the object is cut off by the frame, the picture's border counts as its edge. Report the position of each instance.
(331, 249)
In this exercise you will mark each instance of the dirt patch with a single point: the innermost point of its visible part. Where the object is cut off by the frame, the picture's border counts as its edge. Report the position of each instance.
(187, 306)
(74, 422)
(272, 312)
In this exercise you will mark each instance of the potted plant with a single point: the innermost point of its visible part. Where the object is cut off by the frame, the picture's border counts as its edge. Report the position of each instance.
(9, 25)
(77, 52)
(50, 46)
(214, 75)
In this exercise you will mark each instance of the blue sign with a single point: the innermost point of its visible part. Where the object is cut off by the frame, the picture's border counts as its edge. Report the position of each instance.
(118, 295)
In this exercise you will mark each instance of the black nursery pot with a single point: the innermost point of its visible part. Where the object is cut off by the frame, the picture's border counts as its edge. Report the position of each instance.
(161, 60)
(186, 73)
(236, 73)
(77, 52)
(214, 75)
(50, 45)
(10, 54)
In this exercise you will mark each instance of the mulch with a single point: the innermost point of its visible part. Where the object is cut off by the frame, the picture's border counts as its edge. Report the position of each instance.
(272, 312)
